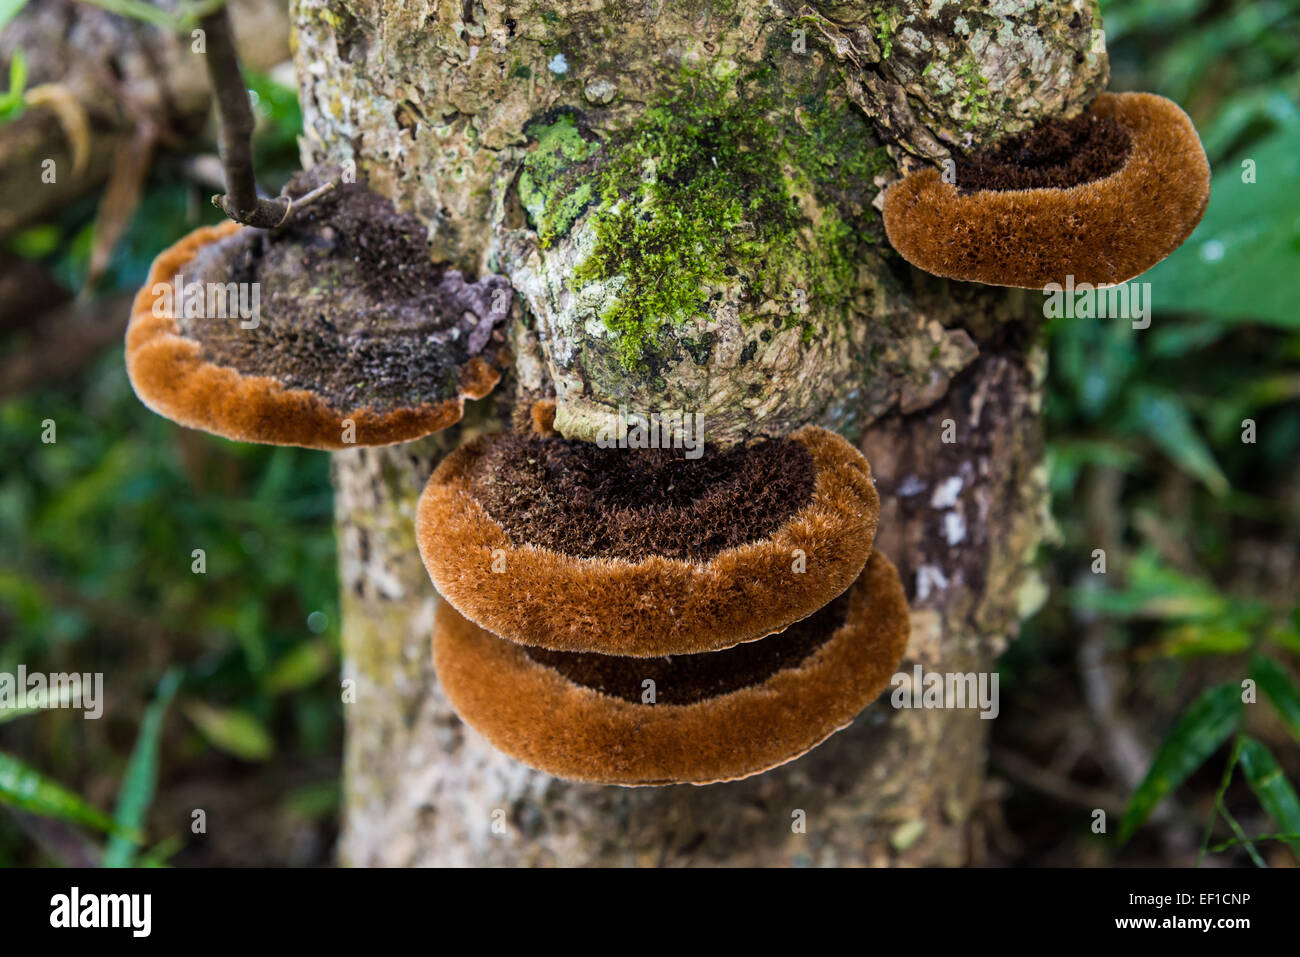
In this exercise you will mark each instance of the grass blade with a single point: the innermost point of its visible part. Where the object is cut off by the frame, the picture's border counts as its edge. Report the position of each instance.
(1206, 725)
(1277, 686)
(141, 778)
(1272, 788)
(24, 787)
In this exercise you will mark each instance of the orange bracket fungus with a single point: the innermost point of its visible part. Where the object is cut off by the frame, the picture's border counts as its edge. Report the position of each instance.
(1100, 198)
(564, 545)
(332, 331)
(699, 718)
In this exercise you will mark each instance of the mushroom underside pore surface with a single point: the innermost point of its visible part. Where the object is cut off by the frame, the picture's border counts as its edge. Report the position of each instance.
(334, 331)
(699, 719)
(1098, 199)
(565, 546)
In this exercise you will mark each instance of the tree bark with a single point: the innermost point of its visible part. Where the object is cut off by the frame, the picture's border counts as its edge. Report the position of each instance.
(430, 103)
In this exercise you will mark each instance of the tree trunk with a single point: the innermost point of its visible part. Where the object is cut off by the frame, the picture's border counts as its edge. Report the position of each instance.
(431, 103)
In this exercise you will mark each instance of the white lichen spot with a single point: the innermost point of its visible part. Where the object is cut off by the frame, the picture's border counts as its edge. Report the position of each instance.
(915, 40)
(946, 492)
(558, 65)
(954, 527)
(929, 579)
(912, 485)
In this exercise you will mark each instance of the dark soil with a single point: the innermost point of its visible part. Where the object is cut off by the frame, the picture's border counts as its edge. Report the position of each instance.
(686, 679)
(1058, 154)
(589, 502)
(351, 307)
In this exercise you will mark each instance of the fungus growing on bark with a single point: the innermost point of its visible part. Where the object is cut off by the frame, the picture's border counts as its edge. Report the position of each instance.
(1102, 198)
(333, 330)
(645, 552)
(700, 718)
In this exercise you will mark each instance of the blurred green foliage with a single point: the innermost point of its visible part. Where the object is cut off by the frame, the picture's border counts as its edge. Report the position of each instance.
(100, 532)
(1150, 440)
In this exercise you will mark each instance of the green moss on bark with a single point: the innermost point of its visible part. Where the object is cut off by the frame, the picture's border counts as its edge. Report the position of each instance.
(724, 188)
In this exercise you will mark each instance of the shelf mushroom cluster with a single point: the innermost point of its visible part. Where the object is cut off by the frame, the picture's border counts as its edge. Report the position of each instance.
(621, 615)
(616, 615)
(636, 617)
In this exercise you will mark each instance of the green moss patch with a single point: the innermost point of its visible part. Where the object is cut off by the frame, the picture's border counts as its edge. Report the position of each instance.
(725, 188)
(552, 188)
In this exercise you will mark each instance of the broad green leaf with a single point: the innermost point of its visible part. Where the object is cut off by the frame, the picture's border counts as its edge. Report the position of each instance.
(1155, 590)
(1272, 788)
(1167, 423)
(1275, 683)
(303, 666)
(1240, 263)
(141, 778)
(1121, 19)
(1196, 639)
(1207, 724)
(1267, 106)
(231, 730)
(26, 788)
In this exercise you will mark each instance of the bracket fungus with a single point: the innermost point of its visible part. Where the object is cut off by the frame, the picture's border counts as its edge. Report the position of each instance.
(1102, 198)
(564, 545)
(333, 330)
(700, 718)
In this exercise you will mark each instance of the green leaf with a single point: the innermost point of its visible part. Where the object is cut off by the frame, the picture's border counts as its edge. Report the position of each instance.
(1234, 265)
(1206, 725)
(157, 855)
(231, 730)
(36, 242)
(303, 666)
(141, 778)
(1216, 638)
(11, 101)
(1167, 423)
(1153, 589)
(26, 788)
(1275, 683)
(1271, 787)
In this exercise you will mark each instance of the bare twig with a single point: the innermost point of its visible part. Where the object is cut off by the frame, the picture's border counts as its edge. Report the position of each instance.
(240, 202)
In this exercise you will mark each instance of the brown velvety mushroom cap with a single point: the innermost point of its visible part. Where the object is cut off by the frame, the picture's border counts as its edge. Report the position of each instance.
(1099, 223)
(175, 377)
(607, 552)
(536, 714)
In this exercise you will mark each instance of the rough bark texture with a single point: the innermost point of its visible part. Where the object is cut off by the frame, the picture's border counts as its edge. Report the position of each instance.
(941, 384)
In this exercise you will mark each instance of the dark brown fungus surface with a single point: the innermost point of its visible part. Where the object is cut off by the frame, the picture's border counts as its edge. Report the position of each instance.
(335, 330)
